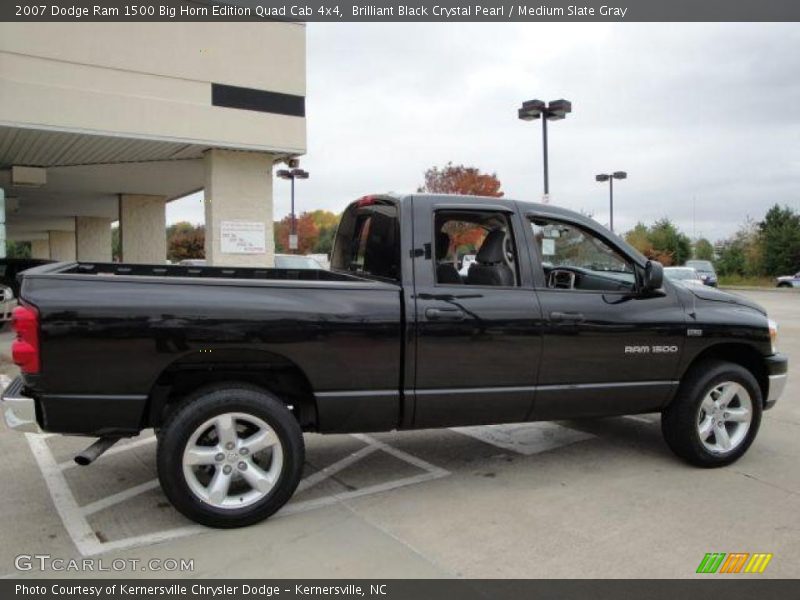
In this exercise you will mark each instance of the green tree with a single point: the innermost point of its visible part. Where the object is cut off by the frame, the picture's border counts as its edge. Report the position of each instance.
(662, 241)
(780, 239)
(703, 250)
(742, 253)
(18, 249)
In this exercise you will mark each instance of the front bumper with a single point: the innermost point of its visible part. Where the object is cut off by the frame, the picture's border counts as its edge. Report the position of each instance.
(778, 372)
(19, 410)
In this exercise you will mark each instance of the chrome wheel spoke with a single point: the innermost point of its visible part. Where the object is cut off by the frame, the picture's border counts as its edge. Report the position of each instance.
(226, 430)
(706, 428)
(201, 455)
(218, 488)
(722, 437)
(260, 440)
(708, 404)
(258, 479)
(729, 391)
(738, 415)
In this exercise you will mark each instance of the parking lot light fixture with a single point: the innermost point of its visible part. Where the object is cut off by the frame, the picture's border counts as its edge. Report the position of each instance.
(554, 111)
(295, 173)
(602, 177)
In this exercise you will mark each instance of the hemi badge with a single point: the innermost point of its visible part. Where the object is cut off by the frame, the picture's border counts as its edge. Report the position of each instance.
(694, 333)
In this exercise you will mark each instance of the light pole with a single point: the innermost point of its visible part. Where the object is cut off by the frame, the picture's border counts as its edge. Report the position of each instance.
(537, 109)
(610, 179)
(292, 175)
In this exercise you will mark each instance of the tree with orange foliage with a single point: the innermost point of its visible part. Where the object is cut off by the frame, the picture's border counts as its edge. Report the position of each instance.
(469, 181)
(458, 179)
(307, 233)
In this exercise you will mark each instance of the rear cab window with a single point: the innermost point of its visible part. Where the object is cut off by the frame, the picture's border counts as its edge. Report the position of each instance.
(367, 241)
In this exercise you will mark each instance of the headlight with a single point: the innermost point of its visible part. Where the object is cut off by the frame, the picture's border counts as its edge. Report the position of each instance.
(773, 334)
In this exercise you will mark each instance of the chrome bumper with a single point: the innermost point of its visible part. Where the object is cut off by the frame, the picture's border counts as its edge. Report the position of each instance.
(777, 383)
(19, 411)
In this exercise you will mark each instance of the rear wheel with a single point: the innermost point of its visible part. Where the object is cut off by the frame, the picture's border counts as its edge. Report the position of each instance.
(716, 415)
(784, 284)
(230, 455)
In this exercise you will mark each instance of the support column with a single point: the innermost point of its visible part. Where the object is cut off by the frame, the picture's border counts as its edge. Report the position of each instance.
(40, 249)
(142, 229)
(93, 239)
(62, 245)
(238, 194)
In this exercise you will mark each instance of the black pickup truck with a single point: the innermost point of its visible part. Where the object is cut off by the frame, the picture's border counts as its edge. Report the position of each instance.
(557, 318)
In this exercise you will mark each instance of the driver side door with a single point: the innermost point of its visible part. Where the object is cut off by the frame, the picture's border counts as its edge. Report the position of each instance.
(606, 350)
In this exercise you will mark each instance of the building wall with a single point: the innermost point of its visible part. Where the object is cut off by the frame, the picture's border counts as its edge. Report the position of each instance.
(153, 81)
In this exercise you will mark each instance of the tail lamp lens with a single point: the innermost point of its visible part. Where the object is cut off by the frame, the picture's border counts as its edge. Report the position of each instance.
(25, 349)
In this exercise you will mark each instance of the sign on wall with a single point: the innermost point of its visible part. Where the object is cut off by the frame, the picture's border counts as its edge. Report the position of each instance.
(243, 237)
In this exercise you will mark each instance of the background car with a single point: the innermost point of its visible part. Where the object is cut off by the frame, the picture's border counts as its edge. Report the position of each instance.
(8, 302)
(788, 281)
(683, 275)
(295, 261)
(706, 271)
(11, 267)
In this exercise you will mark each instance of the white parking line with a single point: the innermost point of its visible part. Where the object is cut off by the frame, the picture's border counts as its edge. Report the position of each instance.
(78, 528)
(526, 438)
(86, 541)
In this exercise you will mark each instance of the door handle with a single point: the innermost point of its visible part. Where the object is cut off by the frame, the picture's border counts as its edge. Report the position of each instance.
(444, 314)
(567, 316)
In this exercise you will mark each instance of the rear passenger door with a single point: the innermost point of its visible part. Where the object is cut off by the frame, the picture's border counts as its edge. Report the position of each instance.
(478, 338)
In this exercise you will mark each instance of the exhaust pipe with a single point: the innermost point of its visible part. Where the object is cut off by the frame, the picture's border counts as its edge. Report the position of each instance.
(91, 453)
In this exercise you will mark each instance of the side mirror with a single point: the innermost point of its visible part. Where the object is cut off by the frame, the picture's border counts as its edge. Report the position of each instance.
(653, 278)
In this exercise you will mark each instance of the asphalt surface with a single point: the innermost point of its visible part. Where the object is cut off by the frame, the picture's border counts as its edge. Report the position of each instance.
(598, 498)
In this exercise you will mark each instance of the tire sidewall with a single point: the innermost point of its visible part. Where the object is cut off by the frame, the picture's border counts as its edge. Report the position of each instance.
(205, 405)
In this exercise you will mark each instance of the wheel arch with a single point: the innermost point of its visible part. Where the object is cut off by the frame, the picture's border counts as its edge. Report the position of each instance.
(267, 370)
(741, 354)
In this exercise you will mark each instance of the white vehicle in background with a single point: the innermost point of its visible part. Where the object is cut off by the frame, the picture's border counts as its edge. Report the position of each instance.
(322, 259)
(466, 263)
(295, 261)
(7, 304)
(683, 275)
(788, 281)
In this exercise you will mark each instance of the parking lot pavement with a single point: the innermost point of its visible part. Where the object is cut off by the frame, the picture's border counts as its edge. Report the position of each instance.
(595, 498)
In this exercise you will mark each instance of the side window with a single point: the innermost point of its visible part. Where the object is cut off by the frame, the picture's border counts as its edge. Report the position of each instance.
(367, 240)
(474, 248)
(575, 258)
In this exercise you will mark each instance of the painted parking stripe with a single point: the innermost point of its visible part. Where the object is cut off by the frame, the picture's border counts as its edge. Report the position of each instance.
(526, 438)
(74, 516)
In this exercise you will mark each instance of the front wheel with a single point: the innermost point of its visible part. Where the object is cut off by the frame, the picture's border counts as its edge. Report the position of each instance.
(716, 415)
(230, 456)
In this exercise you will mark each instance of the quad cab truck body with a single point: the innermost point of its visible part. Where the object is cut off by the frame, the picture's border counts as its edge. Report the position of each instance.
(556, 318)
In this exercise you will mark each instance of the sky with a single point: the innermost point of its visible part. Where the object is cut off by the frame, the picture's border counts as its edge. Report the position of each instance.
(704, 118)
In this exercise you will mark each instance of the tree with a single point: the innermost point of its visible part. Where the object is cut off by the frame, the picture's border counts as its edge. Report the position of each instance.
(458, 179)
(307, 233)
(703, 250)
(185, 240)
(18, 249)
(741, 254)
(662, 241)
(780, 239)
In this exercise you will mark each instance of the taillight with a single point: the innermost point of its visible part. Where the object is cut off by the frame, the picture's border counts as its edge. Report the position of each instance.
(25, 349)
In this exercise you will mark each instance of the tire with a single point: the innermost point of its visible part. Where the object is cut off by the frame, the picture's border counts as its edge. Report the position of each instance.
(205, 466)
(691, 423)
(784, 285)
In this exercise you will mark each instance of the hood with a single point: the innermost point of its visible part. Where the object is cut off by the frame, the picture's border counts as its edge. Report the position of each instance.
(715, 295)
